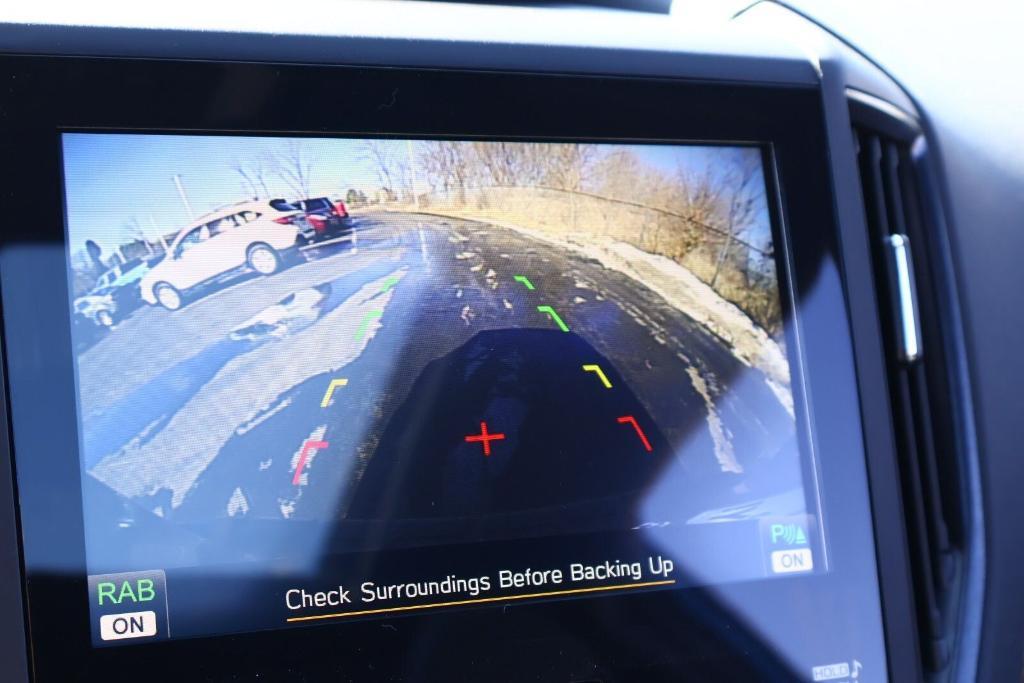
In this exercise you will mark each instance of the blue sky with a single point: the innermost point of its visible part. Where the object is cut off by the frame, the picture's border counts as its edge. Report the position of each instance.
(112, 178)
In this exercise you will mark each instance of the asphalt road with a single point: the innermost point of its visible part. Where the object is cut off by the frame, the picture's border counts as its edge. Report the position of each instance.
(221, 409)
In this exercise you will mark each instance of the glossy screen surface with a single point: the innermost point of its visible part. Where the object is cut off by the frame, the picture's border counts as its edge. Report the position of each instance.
(326, 379)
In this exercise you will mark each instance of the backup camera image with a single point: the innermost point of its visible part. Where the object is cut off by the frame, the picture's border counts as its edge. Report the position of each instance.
(288, 348)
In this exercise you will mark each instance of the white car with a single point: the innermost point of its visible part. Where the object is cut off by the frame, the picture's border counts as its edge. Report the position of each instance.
(254, 234)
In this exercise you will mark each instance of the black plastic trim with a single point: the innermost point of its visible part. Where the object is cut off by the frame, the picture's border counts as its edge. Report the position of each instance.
(13, 632)
(971, 613)
(809, 195)
(883, 473)
(886, 119)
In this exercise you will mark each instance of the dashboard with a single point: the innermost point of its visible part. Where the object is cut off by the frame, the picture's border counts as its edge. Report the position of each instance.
(446, 349)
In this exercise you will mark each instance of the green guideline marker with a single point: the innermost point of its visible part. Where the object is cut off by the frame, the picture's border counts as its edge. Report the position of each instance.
(525, 280)
(554, 316)
(389, 283)
(367, 319)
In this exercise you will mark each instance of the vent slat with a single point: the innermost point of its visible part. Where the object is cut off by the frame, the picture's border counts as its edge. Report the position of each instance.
(914, 502)
(938, 533)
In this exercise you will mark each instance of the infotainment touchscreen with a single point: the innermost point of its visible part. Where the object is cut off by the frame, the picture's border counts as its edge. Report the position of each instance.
(323, 380)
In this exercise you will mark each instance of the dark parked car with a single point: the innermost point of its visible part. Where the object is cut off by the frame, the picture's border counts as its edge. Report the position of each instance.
(326, 218)
(116, 293)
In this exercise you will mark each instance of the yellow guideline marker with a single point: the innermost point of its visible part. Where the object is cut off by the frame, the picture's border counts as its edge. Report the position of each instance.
(600, 373)
(335, 383)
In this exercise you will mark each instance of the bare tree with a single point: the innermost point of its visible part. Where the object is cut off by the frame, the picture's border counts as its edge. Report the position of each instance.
(743, 197)
(404, 176)
(448, 166)
(132, 230)
(379, 153)
(566, 165)
(615, 176)
(621, 174)
(294, 166)
(699, 196)
(492, 163)
(84, 272)
(505, 164)
(254, 175)
(394, 165)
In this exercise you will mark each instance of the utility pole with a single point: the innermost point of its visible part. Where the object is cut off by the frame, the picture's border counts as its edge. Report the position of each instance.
(412, 170)
(184, 197)
(156, 231)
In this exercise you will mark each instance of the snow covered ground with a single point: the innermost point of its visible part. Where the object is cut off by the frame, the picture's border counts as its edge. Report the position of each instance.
(246, 387)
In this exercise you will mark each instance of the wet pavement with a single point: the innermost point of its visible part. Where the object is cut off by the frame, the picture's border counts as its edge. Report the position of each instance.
(340, 392)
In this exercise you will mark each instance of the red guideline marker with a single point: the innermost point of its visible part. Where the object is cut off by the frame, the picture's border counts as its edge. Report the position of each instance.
(307, 448)
(629, 419)
(485, 438)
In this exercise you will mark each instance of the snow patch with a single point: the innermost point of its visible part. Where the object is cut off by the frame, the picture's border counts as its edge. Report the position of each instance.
(237, 504)
(292, 314)
(724, 452)
(315, 435)
(238, 395)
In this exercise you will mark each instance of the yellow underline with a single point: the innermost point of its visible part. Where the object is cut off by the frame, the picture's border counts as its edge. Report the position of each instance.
(478, 601)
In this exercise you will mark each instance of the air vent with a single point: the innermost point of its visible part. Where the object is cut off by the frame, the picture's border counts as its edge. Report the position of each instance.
(919, 380)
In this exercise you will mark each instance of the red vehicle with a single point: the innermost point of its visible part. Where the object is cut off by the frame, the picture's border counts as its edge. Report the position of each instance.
(326, 219)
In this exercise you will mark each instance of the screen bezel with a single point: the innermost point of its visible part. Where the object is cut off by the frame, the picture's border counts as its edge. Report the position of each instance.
(51, 95)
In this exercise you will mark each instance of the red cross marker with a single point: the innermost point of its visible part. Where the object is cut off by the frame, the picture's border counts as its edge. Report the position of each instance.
(485, 438)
